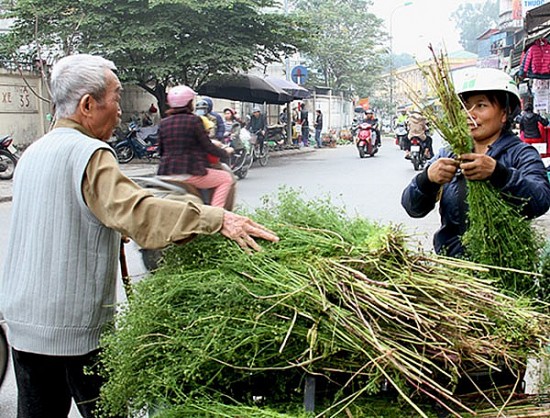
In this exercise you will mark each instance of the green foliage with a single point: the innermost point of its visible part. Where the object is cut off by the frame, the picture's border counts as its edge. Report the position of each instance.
(347, 46)
(156, 43)
(473, 19)
(216, 330)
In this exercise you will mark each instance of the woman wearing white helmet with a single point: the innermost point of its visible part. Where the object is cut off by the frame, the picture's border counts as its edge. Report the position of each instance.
(515, 168)
(184, 145)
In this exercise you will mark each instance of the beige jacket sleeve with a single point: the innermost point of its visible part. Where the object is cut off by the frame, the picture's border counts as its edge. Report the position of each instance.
(121, 204)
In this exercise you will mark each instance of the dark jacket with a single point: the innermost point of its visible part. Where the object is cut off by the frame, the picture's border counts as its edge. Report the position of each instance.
(220, 125)
(319, 122)
(257, 124)
(520, 174)
(183, 145)
(529, 124)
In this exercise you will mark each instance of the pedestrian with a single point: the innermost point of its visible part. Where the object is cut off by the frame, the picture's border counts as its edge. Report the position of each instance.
(184, 145)
(304, 121)
(318, 127)
(71, 203)
(153, 114)
(530, 125)
(498, 156)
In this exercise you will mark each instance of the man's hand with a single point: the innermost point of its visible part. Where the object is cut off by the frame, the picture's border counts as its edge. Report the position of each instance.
(241, 230)
(442, 170)
(477, 166)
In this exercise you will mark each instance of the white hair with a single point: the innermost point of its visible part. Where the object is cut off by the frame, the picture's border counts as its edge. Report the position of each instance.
(74, 76)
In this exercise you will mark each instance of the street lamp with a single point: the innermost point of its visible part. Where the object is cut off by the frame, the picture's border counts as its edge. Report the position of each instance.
(407, 3)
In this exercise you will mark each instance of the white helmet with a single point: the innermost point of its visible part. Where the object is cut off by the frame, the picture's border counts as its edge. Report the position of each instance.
(488, 79)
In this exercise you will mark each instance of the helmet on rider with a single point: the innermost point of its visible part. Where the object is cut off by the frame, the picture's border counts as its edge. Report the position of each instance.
(256, 109)
(480, 80)
(180, 96)
(202, 107)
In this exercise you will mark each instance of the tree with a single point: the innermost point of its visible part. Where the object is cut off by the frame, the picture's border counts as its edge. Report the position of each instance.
(156, 44)
(347, 47)
(472, 19)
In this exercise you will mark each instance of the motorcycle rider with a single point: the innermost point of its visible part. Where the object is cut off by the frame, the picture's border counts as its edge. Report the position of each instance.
(204, 108)
(371, 119)
(418, 127)
(184, 146)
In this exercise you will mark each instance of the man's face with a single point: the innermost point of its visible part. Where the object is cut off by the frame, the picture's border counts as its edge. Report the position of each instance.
(256, 114)
(106, 112)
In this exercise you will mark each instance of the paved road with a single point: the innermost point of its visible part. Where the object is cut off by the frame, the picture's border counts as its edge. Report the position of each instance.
(368, 187)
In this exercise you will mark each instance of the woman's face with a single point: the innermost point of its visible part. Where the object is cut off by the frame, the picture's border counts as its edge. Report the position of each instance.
(486, 118)
(228, 115)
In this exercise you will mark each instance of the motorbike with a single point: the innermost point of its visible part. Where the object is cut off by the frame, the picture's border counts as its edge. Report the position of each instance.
(8, 157)
(366, 140)
(167, 189)
(418, 154)
(241, 159)
(140, 142)
(275, 137)
(400, 135)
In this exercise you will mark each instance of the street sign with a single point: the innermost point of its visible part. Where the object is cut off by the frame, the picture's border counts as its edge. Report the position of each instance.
(299, 74)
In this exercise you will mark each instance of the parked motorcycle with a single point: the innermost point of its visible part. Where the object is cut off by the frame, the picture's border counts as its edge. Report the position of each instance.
(275, 137)
(366, 140)
(140, 142)
(8, 157)
(401, 135)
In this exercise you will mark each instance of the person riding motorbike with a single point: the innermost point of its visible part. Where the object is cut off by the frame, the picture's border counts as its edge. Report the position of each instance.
(204, 108)
(184, 145)
(418, 127)
(373, 121)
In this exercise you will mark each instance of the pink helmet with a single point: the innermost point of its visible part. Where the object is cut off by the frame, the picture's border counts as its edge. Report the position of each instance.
(180, 96)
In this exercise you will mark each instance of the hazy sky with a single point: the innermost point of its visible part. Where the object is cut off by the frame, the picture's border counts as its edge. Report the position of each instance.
(421, 23)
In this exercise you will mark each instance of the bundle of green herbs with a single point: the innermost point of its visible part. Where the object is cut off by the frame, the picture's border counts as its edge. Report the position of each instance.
(215, 330)
(497, 234)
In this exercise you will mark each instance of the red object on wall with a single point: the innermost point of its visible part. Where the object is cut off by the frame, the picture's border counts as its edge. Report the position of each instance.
(541, 144)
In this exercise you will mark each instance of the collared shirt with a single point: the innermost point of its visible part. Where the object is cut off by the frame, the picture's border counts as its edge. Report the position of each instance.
(121, 204)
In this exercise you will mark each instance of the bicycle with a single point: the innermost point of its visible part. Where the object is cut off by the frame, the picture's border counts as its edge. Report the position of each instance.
(262, 156)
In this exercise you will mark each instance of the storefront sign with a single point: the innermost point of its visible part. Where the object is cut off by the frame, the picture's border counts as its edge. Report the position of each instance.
(530, 4)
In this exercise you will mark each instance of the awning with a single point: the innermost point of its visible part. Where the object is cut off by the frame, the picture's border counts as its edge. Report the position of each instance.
(537, 19)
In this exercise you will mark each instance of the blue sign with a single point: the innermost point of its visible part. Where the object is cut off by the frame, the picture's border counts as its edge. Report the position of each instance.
(299, 74)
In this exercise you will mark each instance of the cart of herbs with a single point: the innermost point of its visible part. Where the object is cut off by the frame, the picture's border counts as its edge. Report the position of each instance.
(384, 330)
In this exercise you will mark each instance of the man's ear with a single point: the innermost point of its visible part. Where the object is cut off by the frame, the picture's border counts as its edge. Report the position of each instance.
(85, 104)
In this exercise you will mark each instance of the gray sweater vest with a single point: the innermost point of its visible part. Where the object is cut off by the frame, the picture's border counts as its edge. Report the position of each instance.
(58, 288)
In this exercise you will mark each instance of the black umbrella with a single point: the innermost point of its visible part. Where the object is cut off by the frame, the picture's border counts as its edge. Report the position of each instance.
(245, 88)
(297, 91)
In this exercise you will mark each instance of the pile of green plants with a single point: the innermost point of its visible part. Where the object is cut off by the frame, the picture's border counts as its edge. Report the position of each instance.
(497, 234)
(218, 332)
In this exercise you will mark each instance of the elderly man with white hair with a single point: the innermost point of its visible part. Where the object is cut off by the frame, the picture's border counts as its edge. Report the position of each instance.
(71, 204)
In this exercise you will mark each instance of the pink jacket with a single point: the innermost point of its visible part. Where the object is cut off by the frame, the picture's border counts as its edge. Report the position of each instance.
(537, 60)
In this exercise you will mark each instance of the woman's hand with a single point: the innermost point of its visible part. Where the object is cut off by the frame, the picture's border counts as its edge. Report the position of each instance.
(442, 170)
(477, 166)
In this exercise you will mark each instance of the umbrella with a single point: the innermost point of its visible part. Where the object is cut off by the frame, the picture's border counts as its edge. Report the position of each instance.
(297, 91)
(245, 88)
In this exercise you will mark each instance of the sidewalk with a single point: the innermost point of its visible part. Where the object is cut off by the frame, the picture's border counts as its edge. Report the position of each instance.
(142, 168)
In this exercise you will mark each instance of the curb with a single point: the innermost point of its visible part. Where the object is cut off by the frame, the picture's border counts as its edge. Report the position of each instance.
(274, 154)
